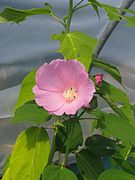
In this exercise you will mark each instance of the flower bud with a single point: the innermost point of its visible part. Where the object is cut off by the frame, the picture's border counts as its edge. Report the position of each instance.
(99, 78)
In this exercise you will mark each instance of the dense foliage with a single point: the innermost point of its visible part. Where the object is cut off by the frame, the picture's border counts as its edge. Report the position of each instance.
(32, 156)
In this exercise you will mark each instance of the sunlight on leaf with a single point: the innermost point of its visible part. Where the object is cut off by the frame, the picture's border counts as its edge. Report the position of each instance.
(76, 45)
(30, 154)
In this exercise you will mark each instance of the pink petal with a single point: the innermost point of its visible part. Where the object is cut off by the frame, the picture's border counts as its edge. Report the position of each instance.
(69, 108)
(70, 70)
(47, 78)
(86, 91)
(51, 101)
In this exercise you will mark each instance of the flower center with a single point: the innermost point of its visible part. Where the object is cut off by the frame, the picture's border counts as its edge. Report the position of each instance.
(70, 94)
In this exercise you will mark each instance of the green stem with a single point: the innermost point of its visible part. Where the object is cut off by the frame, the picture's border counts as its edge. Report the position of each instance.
(59, 157)
(58, 20)
(69, 16)
(67, 149)
(87, 118)
(85, 5)
(66, 156)
(49, 127)
(81, 114)
(77, 4)
(53, 148)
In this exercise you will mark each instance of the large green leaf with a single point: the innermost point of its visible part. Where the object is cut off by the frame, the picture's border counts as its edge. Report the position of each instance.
(100, 145)
(30, 111)
(16, 15)
(114, 93)
(114, 97)
(118, 127)
(114, 174)
(54, 172)
(25, 93)
(76, 45)
(110, 69)
(69, 136)
(126, 165)
(89, 164)
(30, 154)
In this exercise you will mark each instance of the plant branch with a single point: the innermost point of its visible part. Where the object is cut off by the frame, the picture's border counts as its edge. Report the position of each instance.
(85, 5)
(77, 4)
(110, 28)
(58, 20)
(88, 118)
(81, 113)
(69, 16)
(53, 148)
(59, 157)
(68, 145)
(50, 127)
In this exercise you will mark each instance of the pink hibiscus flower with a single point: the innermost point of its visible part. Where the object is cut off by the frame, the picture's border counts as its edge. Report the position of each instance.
(63, 87)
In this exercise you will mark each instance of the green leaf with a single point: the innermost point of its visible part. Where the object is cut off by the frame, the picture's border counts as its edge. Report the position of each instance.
(47, 5)
(112, 12)
(114, 93)
(126, 165)
(114, 174)
(118, 127)
(131, 21)
(6, 176)
(30, 154)
(90, 165)
(54, 172)
(124, 152)
(95, 5)
(30, 111)
(110, 69)
(132, 155)
(25, 93)
(93, 104)
(76, 45)
(133, 109)
(17, 16)
(114, 97)
(126, 109)
(100, 145)
(69, 136)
